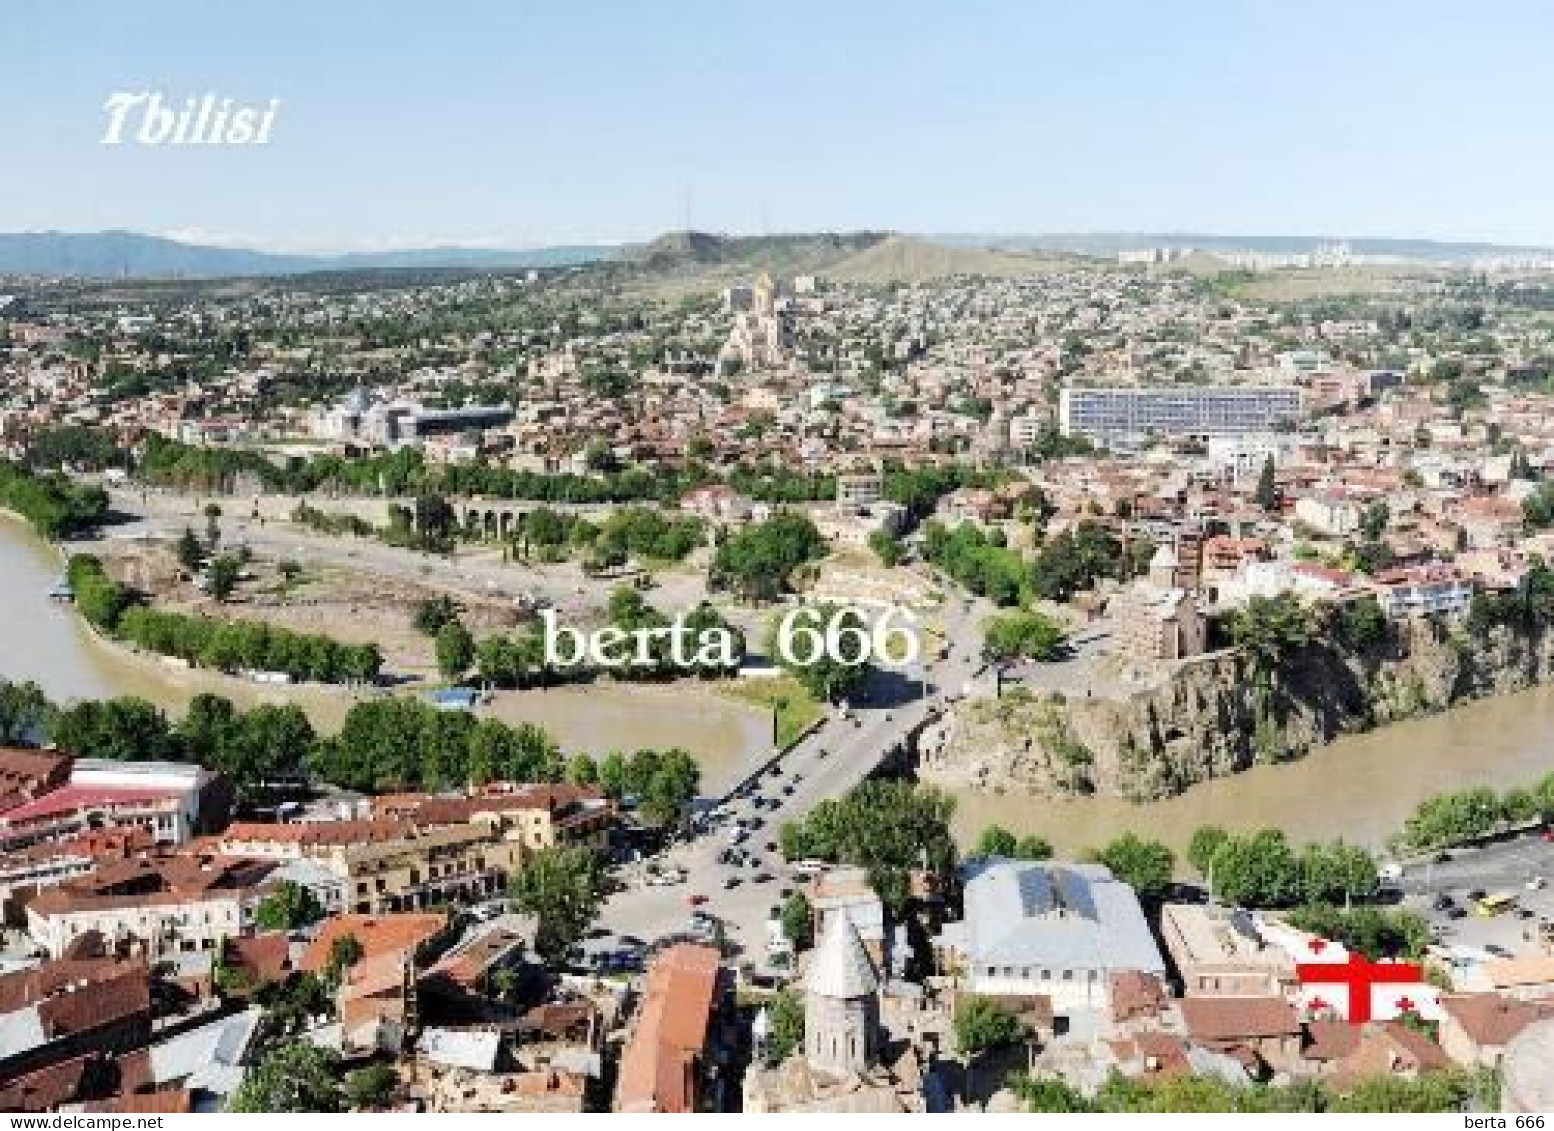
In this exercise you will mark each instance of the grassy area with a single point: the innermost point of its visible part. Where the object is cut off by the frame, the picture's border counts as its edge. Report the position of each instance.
(796, 708)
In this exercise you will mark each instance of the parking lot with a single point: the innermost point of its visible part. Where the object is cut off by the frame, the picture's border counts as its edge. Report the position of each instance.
(1445, 889)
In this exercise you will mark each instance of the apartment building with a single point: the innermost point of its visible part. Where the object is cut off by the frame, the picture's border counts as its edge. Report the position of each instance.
(1121, 414)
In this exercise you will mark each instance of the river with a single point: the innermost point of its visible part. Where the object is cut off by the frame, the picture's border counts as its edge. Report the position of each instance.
(1360, 788)
(46, 642)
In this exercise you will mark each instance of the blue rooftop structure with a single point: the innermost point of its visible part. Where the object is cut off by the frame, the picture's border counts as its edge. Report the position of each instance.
(453, 698)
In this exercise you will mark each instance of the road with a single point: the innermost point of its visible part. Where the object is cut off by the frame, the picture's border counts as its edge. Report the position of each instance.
(834, 758)
(1505, 866)
(479, 573)
(839, 754)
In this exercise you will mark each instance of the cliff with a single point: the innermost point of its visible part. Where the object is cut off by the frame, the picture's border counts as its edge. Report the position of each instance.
(1219, 714)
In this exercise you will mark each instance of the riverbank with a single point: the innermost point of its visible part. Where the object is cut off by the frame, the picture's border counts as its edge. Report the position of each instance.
(53, 646)
(1361, 788)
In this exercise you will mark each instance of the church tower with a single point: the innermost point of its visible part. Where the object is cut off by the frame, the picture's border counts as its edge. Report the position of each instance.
(841, 1002)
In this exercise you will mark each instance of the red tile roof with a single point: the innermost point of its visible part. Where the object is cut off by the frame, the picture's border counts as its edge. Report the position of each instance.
(1232, 1018)
(658, 1066)
(378, 935)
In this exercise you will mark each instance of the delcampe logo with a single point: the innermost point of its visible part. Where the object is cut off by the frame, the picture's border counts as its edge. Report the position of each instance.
(147, 118)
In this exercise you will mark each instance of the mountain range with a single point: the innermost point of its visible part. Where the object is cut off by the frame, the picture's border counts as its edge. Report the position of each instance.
(117, 254)
(120, 254)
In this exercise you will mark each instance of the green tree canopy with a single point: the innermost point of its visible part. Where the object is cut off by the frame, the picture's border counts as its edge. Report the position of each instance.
(562, 888)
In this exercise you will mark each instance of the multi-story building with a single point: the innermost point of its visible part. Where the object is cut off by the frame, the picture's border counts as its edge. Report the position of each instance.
(540, 815)
(1121, 414)
(383, 866)
(171, 801)
(1220, 952)
(1429, 590)
(157, 906)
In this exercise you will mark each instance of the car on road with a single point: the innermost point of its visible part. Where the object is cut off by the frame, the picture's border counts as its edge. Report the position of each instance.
(1443, 902)
(1497, 951)
(1476, 894)
(696, 900)
(1443, 857)
(1455, 912)
(761, 878)
(732, 882)
(1536, 883)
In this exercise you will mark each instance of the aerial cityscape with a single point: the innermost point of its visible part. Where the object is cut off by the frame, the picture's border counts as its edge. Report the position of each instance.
(734, 643)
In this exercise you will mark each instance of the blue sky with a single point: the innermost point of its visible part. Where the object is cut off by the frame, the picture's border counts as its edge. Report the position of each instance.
(552, 121)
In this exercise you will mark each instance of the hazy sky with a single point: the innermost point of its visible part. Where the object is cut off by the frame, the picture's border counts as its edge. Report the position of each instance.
(551, 121)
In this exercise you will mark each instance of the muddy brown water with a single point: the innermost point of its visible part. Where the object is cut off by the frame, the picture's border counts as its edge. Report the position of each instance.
(46, 642)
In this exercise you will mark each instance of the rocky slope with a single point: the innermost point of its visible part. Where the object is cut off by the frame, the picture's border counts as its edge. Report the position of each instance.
(1215, 715)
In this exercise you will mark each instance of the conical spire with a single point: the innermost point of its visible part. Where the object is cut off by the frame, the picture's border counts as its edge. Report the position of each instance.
(841, 967)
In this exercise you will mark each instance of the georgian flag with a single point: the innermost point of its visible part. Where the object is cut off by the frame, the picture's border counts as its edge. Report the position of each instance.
(1338, 983)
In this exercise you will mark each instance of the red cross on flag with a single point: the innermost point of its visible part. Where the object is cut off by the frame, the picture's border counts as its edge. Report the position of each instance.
(1352, 987)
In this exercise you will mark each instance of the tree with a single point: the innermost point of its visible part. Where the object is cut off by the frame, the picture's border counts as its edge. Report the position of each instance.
(665, 783)
(455, 650)
(887, 827)
(561, 888)
(270, 742)
(287, 908)
(612, 775)
(191, 555)
(1373, 521)
(1266, 494)
(1259, 870)
(832, 676)
(798, 922)
(125, 729)
(1269, 630)
(996, 841)
(293, 1076)
(758, 561)
(982, 1024)
(371, 1087)
(1022, 635)
(1206, 841)
(345, 952)
(433, 613)
(1338, 873)
(887, 547)
(1050, 1094)
(785, 1018)
(221, 576)
(1032, 847)
(25, 713)
(1144, 864)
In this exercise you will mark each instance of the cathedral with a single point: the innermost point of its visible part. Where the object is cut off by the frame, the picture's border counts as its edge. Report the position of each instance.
(761, 336)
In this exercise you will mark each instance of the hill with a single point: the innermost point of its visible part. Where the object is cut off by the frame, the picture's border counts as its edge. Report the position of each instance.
(909, 259)
(116, 254)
